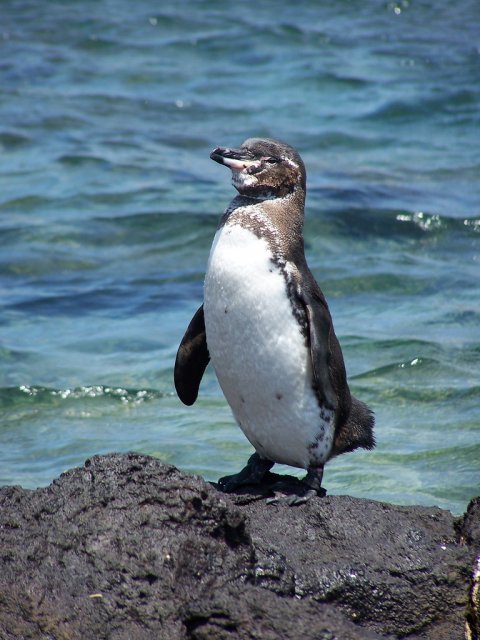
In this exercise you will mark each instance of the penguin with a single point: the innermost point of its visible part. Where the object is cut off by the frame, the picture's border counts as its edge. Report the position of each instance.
(266, 326)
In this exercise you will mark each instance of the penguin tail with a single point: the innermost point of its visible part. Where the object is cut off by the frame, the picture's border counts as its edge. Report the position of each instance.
(357, 431)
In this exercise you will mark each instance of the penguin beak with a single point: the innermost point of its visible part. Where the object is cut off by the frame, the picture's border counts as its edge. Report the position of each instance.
(235, 159)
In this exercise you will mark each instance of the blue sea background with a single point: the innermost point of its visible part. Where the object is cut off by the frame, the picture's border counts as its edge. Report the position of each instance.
(109, 202)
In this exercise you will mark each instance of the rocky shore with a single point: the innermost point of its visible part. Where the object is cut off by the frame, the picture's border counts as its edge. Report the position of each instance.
(128, 548)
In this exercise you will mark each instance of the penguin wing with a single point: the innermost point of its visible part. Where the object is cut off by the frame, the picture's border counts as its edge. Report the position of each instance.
(354, 420)
(192, 359)
(319, 327)
(321, 337)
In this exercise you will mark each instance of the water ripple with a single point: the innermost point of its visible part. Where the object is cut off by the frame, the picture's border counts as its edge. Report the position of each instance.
(27, 394)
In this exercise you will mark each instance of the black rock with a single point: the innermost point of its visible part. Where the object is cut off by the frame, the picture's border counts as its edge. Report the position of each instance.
(129, 548)
(468, 526)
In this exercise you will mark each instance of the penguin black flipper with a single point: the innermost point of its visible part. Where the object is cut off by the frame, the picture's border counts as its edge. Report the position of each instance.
(328, 368)
(354, 419)
(192, 359)
(319, 328)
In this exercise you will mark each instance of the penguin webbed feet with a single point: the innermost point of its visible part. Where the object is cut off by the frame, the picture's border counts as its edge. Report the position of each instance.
(286, 490)
(252, 473)
(293, 493)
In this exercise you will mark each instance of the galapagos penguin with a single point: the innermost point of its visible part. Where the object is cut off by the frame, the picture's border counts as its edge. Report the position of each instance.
(266, 326)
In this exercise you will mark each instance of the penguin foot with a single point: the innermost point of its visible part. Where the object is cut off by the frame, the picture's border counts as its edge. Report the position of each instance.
(291, 500)
(299, 495)
(252, 473)
(295, 493)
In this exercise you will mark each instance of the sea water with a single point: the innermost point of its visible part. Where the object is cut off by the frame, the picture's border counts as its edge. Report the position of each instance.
(109, 203)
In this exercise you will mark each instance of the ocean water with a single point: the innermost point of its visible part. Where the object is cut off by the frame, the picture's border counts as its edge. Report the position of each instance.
(109, 202)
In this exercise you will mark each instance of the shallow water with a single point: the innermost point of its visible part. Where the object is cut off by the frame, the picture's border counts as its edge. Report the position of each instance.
(109, 202)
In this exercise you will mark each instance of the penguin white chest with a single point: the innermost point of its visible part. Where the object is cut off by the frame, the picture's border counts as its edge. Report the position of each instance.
(259, 353)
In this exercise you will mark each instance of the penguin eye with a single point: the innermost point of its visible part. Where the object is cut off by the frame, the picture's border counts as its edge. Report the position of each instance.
(271, 160)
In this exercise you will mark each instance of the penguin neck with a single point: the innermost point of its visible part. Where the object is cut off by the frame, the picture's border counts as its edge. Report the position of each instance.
(284, 213)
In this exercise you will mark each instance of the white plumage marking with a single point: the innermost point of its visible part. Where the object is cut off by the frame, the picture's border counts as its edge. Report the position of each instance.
(259, 354)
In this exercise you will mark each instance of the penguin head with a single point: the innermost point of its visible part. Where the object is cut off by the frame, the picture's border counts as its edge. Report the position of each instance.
(263, 168)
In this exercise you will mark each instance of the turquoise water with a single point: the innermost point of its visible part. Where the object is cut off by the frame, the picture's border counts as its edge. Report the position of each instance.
(109, 202)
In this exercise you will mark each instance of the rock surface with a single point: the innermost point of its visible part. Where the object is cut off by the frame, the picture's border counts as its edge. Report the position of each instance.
(127, 548)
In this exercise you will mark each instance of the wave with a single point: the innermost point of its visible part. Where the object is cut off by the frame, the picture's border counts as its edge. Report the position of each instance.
(403, 110)
(28, 394)
(10, 140)
(383, 222)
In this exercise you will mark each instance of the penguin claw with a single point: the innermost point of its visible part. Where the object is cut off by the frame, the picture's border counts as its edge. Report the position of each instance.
(292, 500)
(294, 494)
